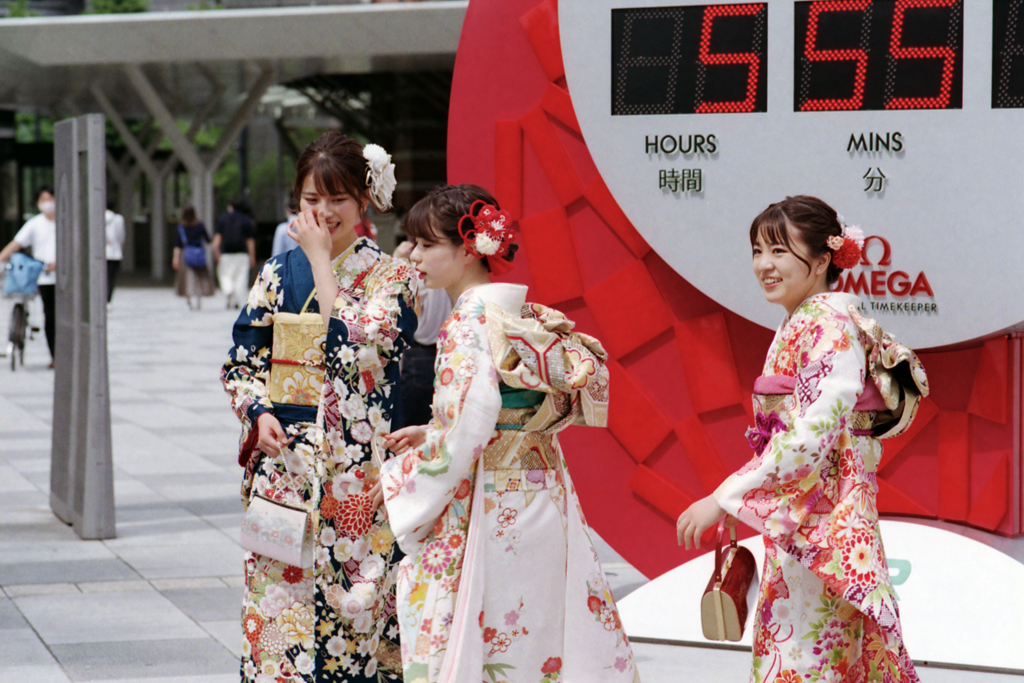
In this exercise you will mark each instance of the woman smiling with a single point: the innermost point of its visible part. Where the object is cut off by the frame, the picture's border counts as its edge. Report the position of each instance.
(331, 617)
(826, 608)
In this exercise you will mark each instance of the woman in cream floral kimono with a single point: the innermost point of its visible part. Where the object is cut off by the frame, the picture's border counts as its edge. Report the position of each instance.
(334, 621)
(826, 611)
(500, 581)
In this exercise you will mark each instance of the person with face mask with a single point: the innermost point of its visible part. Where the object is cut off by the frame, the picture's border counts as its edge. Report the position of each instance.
(40, 235)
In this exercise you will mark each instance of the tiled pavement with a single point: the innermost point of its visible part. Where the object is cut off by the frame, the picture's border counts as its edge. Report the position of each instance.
(160, 603)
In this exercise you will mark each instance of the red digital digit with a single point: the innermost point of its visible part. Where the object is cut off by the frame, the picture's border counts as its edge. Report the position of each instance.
(813, 54)
(946, 53)
(751, 59)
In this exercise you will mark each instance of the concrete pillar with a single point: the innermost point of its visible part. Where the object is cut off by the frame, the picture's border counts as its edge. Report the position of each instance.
(81, 468)
(200, 171)
(202, 196)
(125, 177)
(118, 175)
(126, 207)
(143, 161)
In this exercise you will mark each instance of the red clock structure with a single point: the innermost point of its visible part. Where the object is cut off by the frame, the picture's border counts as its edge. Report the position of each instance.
(683, 365)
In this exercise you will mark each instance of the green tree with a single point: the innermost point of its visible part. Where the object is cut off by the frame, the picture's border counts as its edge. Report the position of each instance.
(118, 6)
(19, 8)
(25, 128)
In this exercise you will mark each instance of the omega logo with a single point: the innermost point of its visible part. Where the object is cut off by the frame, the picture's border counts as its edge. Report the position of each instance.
(878, 281)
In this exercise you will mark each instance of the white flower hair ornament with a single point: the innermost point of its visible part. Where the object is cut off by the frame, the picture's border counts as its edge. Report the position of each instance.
(848, 247)
(380, 175)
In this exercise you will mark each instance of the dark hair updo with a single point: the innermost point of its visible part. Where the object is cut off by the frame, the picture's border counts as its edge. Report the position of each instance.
(338, 167)
(812, 218)
(436, 217)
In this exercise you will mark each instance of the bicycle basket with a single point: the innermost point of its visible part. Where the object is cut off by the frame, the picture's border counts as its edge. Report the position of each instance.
(22, 274)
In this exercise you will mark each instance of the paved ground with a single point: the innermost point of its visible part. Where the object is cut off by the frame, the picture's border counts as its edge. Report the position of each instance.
(160, 603)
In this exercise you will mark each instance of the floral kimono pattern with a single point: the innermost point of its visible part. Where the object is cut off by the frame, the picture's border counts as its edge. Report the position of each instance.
(826, 608)
(501, 581)
(334, 621)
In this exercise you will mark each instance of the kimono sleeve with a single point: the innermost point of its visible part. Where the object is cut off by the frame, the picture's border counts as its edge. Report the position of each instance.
(777, 490)
(376, 329)
(247, 370)
(421, 483)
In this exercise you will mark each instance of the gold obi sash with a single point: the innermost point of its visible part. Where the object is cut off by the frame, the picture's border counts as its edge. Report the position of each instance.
(519, 459)
(297, 362)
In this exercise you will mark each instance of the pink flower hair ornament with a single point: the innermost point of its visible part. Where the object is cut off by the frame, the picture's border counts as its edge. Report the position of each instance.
(487, 233)
(848, 247)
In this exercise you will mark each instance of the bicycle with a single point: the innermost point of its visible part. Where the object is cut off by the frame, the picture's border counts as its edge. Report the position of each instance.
(18, 281)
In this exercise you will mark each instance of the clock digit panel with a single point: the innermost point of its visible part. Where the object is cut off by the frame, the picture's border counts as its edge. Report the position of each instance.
(904, 115)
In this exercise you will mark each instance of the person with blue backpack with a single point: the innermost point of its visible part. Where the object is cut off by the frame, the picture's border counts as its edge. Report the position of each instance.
(189, 259)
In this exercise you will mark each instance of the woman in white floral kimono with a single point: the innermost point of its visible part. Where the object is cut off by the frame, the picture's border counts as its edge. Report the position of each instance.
(826, 611)
(334, 621)
(501, 580)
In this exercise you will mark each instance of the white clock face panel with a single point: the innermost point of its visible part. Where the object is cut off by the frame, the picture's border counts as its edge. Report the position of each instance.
(907, 120)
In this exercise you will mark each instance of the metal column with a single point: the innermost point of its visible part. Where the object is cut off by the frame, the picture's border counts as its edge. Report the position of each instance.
(81, 467)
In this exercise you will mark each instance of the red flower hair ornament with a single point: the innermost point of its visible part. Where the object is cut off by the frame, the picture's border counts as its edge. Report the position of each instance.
(847, 247)
(487, 233)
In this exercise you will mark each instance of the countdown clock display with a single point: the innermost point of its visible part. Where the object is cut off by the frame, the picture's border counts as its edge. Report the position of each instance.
(682, 366)
(905, 115)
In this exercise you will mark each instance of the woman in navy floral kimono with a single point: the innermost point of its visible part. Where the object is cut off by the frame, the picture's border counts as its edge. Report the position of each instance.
(334, 621)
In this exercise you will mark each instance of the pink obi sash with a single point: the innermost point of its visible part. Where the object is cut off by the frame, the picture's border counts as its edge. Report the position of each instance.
(870, 399)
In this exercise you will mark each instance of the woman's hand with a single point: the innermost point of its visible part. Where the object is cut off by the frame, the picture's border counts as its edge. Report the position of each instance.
(314, 238)
(315, 241)
(401, 440)
(376, 494)
(271, 435)
(696, 519)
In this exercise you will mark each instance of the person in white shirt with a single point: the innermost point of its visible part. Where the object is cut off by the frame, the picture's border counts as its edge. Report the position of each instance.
(40, 235)
(115, 240)
(282, 241)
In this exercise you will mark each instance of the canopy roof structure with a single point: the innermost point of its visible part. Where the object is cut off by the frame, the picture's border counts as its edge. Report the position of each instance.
(50, 62)
(212, 66)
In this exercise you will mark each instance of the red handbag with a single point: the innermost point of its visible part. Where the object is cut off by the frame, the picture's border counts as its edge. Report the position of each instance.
(723, 609)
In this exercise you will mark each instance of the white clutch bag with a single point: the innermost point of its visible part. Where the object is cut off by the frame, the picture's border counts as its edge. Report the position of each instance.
(278, 531)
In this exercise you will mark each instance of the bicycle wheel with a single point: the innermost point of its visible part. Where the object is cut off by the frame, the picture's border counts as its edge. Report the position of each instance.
(17, 332)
